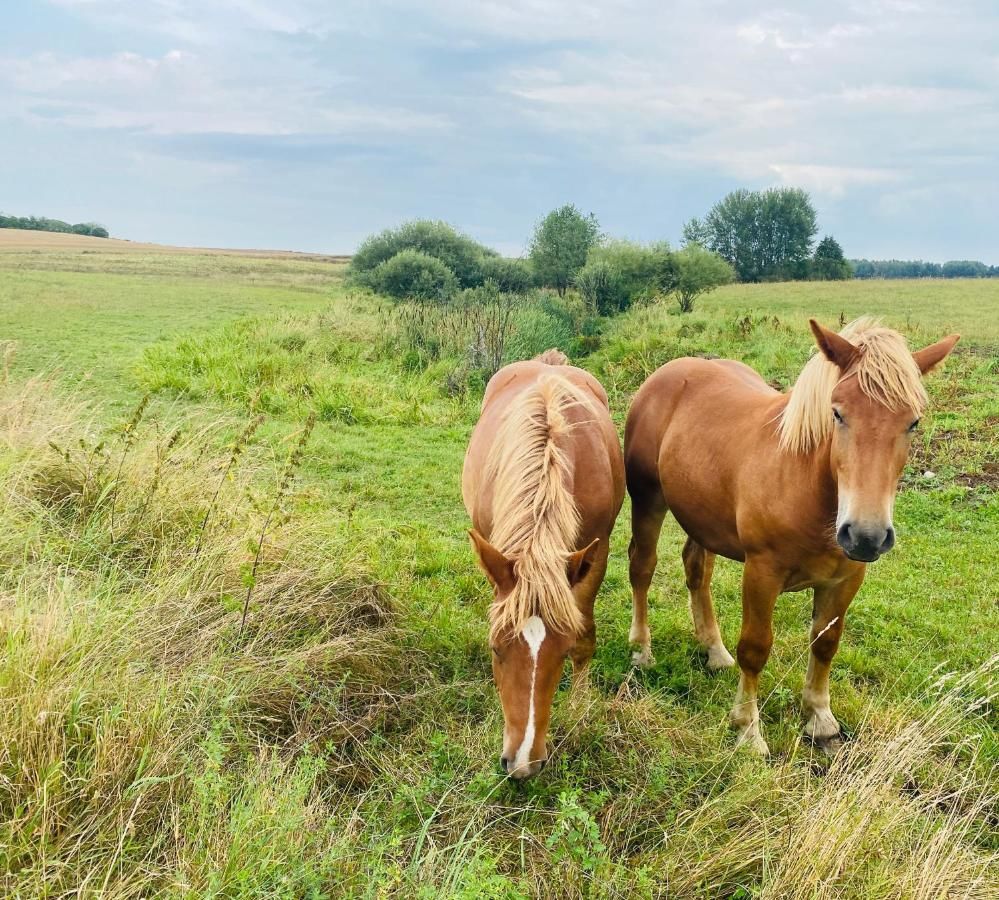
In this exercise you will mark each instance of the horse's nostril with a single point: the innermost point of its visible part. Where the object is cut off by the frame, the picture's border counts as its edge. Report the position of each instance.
(843, 535)
(889, 541)
(504, 764)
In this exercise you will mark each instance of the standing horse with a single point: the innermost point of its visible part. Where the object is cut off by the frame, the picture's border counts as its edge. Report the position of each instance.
(798, 486)
(543, 477)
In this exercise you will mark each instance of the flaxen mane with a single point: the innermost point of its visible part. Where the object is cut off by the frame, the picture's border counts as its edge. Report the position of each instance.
(885, 371)
(535, 520)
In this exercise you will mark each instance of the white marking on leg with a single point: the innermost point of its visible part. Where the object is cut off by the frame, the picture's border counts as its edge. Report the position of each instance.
(709, 636)
(533, 634)
(821, 724)
(745, 716)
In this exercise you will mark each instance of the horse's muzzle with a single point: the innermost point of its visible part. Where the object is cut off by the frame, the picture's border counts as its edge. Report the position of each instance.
(521, 773)
(865, 544)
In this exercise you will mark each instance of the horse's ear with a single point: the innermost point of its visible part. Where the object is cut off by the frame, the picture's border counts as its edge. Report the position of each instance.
(498, 569)
(579, 563)
(836, 349)
(930, 357)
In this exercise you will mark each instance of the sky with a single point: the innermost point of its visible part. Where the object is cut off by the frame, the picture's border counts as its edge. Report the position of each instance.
(306, 125)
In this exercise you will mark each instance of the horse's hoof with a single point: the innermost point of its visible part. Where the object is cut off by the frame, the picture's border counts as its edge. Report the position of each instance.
(719, 658)
(830, 746)
(750, 738)
(643, 659)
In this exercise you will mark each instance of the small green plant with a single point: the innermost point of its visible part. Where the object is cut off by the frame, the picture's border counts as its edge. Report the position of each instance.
(575, 839)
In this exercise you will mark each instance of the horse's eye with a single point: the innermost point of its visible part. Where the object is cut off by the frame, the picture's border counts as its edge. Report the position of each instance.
(914, 425)
(837, 416)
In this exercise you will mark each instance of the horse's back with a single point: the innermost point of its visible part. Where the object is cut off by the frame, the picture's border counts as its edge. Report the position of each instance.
(519, 376)
(692, 434)
(591, 441)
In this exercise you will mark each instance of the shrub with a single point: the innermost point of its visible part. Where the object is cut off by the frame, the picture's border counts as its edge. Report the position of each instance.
(599, 285)
(539, 328)
(511, 276)
(698, 271)
(641, 271)
(458, 252)
(560, 244)
(411, 274)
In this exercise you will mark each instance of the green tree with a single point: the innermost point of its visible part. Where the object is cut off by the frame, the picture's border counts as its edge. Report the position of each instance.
(560, 244)
(698, 271)
(828, 262)
(765, 235)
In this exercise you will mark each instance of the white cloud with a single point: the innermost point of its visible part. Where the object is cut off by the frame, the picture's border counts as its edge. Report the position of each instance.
(182, 93)
(832, 180)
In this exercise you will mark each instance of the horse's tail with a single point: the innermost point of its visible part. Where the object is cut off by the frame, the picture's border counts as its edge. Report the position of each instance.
(552, 357)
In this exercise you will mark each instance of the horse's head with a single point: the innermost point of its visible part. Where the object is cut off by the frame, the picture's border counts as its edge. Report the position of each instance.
(876, 405)
(528, 659)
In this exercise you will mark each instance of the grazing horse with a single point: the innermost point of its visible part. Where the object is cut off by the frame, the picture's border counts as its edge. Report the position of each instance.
(543, 483)
(798, 486)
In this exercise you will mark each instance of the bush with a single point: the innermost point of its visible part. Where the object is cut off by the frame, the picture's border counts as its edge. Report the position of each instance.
(511, 276)
(640, 271)
(539, 326)
(560, 244)
(599, 285)
(411, 274)
(458, 252)
(698, 271)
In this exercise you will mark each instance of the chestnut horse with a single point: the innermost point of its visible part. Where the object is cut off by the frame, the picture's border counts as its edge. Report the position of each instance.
(543, 483)
(798, 486)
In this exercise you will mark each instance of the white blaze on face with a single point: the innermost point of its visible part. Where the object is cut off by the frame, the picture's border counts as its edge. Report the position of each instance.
(533, 634)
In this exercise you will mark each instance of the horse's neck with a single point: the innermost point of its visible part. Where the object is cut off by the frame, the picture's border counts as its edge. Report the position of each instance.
(811, 472)
(817, 484)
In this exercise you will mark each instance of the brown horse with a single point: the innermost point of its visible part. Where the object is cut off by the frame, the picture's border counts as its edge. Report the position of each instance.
(543, 477)
(798, 486)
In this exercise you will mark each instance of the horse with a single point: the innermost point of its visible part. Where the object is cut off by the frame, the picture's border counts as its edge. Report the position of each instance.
(543, 482)
(798, 486)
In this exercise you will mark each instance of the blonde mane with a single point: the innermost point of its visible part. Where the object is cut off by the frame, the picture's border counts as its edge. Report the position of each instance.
(885, 370)
(535, 520)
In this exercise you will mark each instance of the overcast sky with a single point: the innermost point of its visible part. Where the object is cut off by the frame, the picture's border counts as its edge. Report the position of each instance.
(307, 124)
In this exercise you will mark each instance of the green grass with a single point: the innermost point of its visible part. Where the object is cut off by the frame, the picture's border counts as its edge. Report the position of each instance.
(90, 316)
(345, 742)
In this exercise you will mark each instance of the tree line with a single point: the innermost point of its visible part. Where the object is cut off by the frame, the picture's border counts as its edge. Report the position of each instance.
(431, 261)
(41, 223)
(916, 268)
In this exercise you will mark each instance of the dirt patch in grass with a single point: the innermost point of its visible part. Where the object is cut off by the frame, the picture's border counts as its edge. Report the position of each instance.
(988, 477)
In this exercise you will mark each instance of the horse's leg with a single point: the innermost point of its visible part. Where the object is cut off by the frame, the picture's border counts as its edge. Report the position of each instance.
(698, 563)
(760, 586)
(582, 651)
(828, 617)
(647, 514)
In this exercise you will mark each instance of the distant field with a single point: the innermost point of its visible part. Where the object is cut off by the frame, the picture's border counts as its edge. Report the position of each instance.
(344, 742)
(16, 239)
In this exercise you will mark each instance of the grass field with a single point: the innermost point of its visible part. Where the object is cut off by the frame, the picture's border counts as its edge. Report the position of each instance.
(344, 740)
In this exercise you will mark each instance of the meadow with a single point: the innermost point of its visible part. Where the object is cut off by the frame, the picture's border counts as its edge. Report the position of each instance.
(245, 638)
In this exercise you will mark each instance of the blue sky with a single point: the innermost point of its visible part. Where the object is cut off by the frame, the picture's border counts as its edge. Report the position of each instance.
(306, 125)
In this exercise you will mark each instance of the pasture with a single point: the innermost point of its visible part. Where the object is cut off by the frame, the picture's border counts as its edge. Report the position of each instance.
(245, 638)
